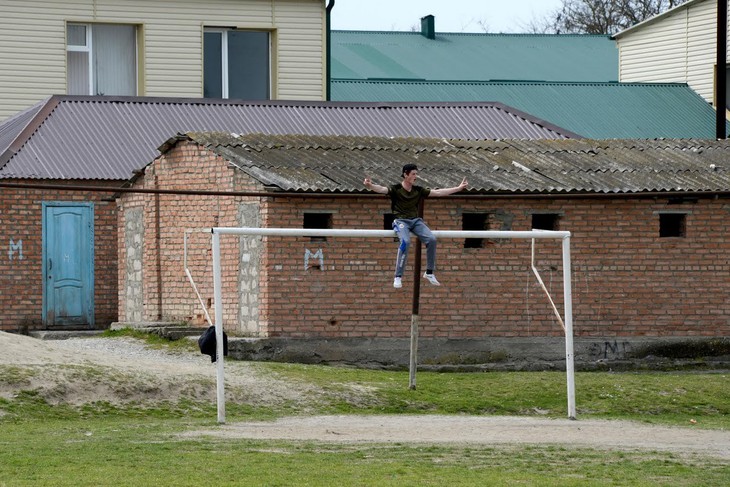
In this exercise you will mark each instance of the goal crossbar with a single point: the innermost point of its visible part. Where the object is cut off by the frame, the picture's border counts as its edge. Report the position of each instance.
(315, 232)
(329, 232)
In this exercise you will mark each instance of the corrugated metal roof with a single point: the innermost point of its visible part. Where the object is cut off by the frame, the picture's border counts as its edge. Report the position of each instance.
(339, 164)
(15, 125)
(473, 57)
(594, 110)
(111, 137)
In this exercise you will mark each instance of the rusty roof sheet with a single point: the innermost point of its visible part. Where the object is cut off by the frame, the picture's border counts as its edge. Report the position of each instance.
(100, 137)
(339, 163)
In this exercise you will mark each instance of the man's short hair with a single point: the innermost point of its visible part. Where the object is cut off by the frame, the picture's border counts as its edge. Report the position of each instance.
(408, 168)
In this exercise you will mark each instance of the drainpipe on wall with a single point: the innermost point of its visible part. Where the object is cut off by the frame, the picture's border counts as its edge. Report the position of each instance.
(328, 50)
(721, 71)
(158, 242)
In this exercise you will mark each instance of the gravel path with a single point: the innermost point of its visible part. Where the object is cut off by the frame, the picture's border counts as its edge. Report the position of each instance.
(484, 430)
(146, 374)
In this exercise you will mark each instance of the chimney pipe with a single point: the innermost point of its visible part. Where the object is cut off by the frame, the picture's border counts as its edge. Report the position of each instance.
(428, 29)
(328, 52)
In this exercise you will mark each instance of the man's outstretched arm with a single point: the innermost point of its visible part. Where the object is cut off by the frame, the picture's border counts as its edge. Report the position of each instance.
(448, 191)
(375, 187)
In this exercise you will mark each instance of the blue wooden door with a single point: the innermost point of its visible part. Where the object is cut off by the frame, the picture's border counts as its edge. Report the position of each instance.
(68, 264)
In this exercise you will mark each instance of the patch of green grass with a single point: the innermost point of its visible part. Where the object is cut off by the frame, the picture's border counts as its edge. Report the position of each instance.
(139, 444)
(16, 375)
(123, 452)
(699, 399)
(28, 406)
(657, 397)
(153, 340)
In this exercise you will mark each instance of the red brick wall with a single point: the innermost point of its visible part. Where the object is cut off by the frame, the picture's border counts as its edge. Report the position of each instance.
(627, 281)
(21, 280)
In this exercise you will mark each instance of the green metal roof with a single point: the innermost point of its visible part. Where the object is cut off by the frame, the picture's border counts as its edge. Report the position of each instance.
(592, 110)
(473, 57)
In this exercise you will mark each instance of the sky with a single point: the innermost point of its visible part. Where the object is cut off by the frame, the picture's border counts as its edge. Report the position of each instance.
(506, 16)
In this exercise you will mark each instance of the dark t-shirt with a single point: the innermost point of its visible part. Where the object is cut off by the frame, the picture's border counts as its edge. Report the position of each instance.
(405, 203)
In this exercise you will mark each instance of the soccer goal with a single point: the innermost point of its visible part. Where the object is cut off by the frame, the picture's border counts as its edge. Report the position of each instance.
(566, 321)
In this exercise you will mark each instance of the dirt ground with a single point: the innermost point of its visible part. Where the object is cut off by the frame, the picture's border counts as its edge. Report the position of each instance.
(66, 371)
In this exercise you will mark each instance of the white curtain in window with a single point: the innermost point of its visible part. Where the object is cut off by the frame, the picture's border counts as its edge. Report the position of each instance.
(114, 56)
(78, 72)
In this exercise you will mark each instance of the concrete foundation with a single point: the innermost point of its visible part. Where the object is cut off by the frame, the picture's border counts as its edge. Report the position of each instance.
(491, 353)
(496, 353)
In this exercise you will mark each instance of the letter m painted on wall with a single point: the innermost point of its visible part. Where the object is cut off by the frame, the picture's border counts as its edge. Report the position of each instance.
(15, 247)
(317, 255)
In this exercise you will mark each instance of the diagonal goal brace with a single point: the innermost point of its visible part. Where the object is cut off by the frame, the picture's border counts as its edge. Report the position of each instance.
(566, 322)
(542, 285)
(190, 276)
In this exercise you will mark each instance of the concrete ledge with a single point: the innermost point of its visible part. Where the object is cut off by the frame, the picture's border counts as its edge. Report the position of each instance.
(172, 330)
(491, 353)
(136, 325)
(63, 334)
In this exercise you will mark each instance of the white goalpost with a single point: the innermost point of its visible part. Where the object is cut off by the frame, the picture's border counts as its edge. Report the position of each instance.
(566, 322)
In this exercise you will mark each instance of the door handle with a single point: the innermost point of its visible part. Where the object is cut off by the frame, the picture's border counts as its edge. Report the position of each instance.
(50, 266)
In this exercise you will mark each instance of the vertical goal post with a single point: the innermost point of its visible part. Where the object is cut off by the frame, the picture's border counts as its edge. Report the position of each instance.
(566, 322)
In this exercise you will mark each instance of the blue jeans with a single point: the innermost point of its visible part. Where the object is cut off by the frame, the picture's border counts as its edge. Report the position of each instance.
(403, 228)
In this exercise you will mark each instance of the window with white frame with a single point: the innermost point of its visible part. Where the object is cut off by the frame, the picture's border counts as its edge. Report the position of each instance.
(236, 64)
(101, 59)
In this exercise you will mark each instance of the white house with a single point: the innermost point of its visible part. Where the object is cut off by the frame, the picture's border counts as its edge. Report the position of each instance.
(248, 49)
(679, 45)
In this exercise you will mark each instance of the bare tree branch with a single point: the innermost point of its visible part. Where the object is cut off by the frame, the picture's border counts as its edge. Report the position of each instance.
(600, 16)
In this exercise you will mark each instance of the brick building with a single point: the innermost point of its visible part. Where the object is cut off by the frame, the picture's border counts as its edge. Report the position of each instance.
(649, 224)
(58, 158)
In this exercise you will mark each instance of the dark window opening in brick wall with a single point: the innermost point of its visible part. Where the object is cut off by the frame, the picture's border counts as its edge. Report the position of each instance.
(672, 225)
(545, 221)
(317, 220)
(388, 219)
(476, 222)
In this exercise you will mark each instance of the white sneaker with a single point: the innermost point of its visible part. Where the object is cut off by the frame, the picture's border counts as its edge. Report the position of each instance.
(397, 283)
(432, 279)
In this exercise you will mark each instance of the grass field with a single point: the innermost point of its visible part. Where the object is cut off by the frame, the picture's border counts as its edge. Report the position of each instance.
(140, 444)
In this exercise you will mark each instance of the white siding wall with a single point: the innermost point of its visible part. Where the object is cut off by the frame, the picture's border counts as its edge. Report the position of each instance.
(33, 44)
(702, 48)
(679, 47)
(301, 38)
